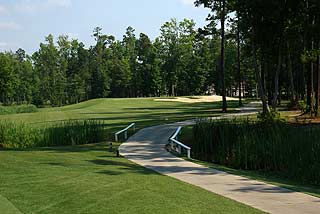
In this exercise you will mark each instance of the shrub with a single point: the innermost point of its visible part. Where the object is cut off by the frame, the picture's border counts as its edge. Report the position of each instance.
(270, 117)
(303, 106)
(4, 110)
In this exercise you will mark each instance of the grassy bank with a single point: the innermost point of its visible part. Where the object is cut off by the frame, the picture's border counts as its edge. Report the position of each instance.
(90, 179)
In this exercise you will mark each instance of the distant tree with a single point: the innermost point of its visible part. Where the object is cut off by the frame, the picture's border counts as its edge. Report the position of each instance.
(170, 55)
(130, 54)
(46, 65)
(119, 68)
(148, 68)
(7, 78)
(25, 77)
(219, 10)
(100, 80)
(78, 73)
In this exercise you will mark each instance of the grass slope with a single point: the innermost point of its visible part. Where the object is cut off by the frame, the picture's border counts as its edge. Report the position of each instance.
(120, 112)
(88, 179)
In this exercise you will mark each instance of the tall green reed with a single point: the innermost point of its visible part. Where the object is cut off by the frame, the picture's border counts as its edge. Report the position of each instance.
(72, 132)
(18, 109)
(291, 150)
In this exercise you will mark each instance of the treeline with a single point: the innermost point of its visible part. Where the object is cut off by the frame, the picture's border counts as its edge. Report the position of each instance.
(283, 38)
(181, 61)
(270, 48)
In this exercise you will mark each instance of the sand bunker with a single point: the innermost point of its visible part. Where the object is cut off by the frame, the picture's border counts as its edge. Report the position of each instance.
(196, 99)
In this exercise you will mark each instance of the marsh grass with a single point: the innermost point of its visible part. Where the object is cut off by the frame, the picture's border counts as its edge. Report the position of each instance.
(15, 135)
(290, 150)
(18, 109)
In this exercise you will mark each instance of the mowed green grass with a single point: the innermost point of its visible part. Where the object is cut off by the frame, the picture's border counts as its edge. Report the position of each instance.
(117, 113)
(89, 179)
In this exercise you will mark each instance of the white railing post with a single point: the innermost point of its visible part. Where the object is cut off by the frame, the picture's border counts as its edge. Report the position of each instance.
(125, 131)
(174, 141)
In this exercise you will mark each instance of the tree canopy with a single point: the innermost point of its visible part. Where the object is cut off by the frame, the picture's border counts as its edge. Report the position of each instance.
(268, 49)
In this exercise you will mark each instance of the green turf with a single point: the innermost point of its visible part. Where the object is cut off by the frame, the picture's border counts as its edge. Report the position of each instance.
(89, 179)
(117, 113)
(268, 177)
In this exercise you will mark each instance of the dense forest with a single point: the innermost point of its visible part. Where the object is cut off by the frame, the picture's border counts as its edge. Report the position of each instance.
(266, 48)
(282, 37)
(179, 62)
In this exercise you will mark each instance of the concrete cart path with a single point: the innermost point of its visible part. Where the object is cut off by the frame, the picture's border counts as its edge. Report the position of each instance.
(147, 148)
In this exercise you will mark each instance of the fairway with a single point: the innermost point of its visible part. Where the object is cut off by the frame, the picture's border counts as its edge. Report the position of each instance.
(117, 113)
(88, 179)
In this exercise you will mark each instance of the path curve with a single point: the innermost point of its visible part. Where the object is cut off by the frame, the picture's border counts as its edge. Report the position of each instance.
(147, 148)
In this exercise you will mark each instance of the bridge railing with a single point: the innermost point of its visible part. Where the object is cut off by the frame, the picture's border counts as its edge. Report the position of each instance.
(125, 131)
(178, 146)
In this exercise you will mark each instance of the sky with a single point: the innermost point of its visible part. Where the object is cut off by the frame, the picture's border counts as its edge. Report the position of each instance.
(25, 23)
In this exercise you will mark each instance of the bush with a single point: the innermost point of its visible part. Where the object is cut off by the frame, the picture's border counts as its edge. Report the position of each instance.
(292, 151)
(270, 117)
(4, 110)
(73, 132)
(302, 106)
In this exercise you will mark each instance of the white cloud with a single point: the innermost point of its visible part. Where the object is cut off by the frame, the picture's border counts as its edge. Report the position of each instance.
(187, 2)
(9, 26)
(41, 5)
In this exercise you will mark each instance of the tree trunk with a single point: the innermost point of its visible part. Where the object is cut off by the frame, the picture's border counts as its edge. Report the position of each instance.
(311, 87)
(263, 68)
(265, 107)
(303, 85)
(310, 99)
(290, 73)
(318, 87)
(239, 63)
(276, 81)
(222, 62)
